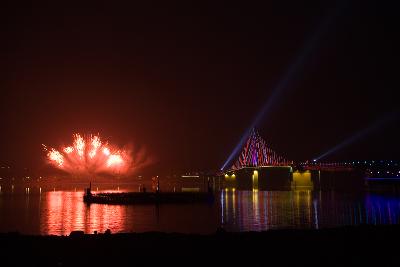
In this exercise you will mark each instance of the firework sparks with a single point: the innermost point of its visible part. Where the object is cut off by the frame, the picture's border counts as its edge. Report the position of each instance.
(90, 155)
(114, 160)
(56, 156)
(69, 150)
(96, 143)
(106, 151)
(79, 144)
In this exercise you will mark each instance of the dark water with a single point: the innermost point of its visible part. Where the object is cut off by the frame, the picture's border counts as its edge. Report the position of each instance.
(264, 210)
(58, 211)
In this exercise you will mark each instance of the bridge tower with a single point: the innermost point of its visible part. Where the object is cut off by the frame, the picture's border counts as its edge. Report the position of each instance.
(259, 167)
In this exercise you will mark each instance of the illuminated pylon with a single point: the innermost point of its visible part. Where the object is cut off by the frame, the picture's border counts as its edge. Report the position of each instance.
(255, 153)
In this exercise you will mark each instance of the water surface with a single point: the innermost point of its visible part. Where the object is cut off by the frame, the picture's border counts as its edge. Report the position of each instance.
(52, 211)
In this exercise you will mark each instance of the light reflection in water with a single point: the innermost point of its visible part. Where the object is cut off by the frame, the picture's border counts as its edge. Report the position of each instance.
(256, 209)
(41, 211)
(381, 210)
(64, 212)
(103, 217)
(264, 210)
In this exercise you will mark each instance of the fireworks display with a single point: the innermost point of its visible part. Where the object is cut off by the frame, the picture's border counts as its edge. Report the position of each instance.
(90, 155)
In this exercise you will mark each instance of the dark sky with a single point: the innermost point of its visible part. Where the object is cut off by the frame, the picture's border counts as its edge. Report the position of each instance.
(186, 80)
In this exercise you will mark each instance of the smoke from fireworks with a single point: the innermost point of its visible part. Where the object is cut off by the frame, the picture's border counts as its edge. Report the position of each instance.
(90, 155)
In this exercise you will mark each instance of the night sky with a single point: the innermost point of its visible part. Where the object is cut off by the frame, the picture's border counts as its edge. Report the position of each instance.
(186, 80)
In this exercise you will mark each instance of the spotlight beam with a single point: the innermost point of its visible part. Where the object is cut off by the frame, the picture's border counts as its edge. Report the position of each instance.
(294, 68)
(360, 134)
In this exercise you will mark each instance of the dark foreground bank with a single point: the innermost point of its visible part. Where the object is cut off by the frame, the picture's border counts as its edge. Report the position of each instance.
(348, 246)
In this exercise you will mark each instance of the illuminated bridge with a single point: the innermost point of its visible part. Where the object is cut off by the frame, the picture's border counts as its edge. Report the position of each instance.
(260, 168)
(256, 153)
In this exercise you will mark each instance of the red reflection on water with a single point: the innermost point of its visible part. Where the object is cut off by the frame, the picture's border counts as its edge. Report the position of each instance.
(102, 217)
(63, 212)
